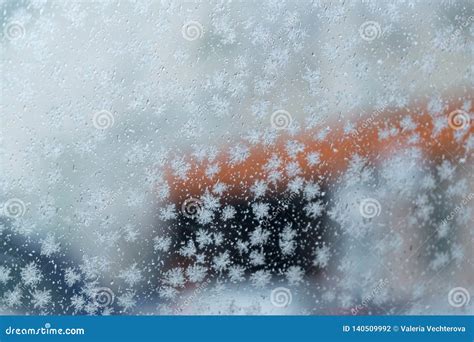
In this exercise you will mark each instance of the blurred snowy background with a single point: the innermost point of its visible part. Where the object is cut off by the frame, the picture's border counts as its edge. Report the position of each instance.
(101, 99)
